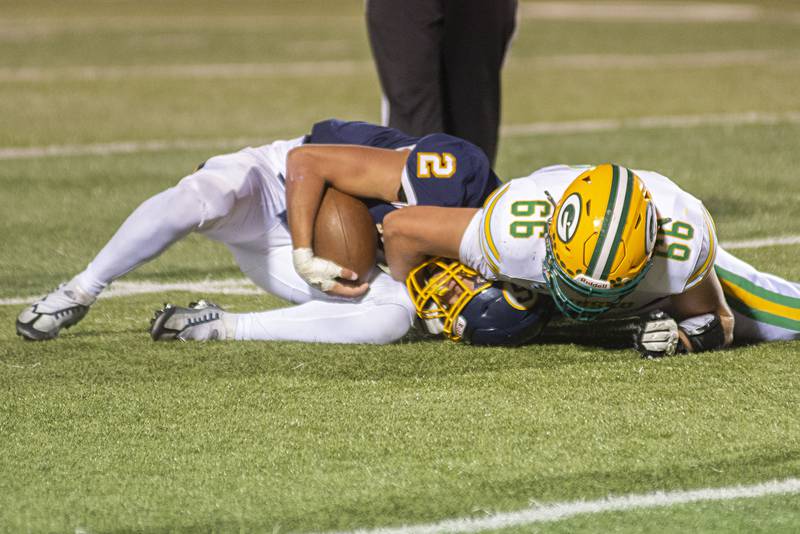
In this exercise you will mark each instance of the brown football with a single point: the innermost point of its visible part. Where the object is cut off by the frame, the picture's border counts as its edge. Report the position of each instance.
(345, 233)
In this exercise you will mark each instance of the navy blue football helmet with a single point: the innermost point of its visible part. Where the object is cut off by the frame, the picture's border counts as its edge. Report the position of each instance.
(452, 299)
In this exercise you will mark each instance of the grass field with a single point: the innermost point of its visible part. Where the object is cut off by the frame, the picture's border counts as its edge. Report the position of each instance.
(104, 431)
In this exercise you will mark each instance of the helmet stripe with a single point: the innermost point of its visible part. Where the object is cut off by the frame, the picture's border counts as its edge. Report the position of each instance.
(598, 248)
(623, 219)
(616, 212)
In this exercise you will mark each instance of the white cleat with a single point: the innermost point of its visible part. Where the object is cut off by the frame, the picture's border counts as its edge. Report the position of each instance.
(61, 308)
(201, 321)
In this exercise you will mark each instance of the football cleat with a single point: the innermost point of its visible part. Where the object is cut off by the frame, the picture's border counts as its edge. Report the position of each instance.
(600, 241)
(201, 321)
(61, 308)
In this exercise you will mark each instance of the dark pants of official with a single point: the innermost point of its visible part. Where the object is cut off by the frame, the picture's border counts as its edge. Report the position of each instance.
(439, 64)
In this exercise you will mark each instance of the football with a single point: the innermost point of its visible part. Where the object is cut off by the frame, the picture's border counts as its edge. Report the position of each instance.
(345, 233)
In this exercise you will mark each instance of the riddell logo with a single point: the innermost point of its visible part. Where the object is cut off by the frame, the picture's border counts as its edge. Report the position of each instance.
(591, 282)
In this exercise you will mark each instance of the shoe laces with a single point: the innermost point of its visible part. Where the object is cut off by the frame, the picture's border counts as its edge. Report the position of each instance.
(205, 318)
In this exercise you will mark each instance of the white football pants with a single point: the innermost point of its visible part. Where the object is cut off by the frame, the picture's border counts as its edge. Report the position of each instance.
(239, 199)
(765, 307)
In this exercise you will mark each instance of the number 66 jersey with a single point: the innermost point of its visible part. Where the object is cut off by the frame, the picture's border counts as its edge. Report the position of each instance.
(505, 240)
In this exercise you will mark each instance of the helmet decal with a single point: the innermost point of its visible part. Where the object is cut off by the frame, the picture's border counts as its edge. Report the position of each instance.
(568, 218)
(651, 230)
(518, 297)
(591, 282)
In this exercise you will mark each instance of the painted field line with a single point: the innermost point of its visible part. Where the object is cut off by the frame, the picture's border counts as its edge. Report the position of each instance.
(638, 123)
(641, 11)
(563, 510)
(654, 61)
(201, 70)
(761, 243)
(511, 130)
(352, 67)
(231, 286)
(123, 147)
(243, 286)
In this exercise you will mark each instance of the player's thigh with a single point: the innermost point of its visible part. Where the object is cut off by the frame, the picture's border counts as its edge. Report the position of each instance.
(237, 195)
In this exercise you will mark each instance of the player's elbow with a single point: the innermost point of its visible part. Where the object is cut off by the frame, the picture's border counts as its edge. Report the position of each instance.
(299, 163)
(401, 254)
(728, 324)
(393, 226)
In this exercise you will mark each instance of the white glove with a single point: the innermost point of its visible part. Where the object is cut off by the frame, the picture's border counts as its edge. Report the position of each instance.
(657, 336)
(317, 272)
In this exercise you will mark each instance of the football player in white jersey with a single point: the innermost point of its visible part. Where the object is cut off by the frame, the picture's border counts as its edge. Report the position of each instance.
(242, 199)
(616, 243)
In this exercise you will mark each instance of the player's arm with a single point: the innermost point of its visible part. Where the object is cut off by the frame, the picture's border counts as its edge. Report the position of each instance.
(361, 171)
(412, 234)
(365, 172)
(701, 321)
(697, 311)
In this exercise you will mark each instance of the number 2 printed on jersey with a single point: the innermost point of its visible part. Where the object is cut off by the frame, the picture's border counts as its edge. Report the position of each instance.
(435, 164)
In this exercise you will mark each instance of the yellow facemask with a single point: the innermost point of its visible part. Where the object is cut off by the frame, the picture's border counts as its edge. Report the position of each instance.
(441, 288)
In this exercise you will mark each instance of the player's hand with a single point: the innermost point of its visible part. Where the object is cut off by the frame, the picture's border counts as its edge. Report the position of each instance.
(657, 336)
(326, 275)
(348, 289)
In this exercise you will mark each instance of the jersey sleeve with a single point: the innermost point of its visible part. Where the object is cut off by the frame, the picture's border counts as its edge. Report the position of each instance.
(446, 171)
(708, 251)
(510, 232)
(338, 132)
(470, 252)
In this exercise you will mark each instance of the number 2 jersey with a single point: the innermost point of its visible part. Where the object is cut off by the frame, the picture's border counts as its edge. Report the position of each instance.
(505, 240)
(441, 170)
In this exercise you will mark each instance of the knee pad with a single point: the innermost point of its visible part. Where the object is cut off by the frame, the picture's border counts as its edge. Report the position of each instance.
(207, 192)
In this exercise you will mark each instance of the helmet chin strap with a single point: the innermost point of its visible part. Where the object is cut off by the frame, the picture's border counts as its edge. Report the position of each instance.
(550, 198)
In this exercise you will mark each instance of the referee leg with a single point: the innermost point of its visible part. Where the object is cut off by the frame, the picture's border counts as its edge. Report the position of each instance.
(406, 37)
(476, 36)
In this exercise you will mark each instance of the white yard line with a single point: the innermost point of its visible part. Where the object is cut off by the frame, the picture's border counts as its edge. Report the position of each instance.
(242, 286)
(230, 286)
(353, 67)
(654, 61)
(641, 11)
(638, 123)
(121, 147)
(511, 130)
(201, 70)
(563, 510)
(761, 243)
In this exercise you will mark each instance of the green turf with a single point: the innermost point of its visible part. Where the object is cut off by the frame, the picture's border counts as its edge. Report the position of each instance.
(103, 430)
(118, 430)
(770, 515)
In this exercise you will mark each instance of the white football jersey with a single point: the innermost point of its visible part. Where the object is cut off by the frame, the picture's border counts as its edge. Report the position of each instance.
(505, 240)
